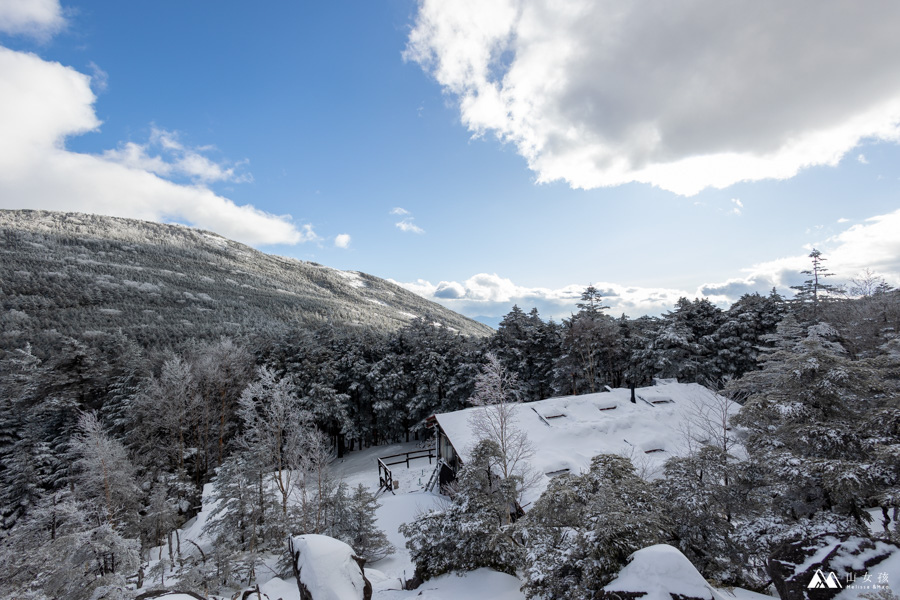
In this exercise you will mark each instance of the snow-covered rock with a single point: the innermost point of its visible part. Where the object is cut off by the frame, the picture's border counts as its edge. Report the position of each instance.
(659, 572)
(328, 569)
(169, 595)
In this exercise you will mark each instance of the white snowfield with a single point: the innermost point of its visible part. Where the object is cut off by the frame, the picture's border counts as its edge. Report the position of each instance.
(567, 432)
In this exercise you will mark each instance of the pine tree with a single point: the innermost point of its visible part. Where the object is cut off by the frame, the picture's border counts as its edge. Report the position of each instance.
(583, 528)
(471, 531)
(353, 522)
(803, 417)
(814, 290)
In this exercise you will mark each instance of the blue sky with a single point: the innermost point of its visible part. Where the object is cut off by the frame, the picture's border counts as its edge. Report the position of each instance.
(480, 154)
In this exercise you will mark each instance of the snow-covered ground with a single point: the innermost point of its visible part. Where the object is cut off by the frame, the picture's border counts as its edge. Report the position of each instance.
(409, 500)
(387, 574)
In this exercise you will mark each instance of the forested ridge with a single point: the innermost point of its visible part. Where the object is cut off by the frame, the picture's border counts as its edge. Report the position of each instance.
(123, 396)
(80, 274)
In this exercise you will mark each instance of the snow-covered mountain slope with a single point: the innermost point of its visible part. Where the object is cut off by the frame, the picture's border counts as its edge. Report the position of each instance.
(79, 273)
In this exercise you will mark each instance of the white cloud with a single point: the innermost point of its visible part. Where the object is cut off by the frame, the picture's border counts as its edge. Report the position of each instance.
(99, 78)
(37, 18)
(738, 206)
(843, 220)
(679, 95)
(872, 245)
(487, 294)
(342, 240)
(862, 159)
(42, 103)
(166, 156)
(408, 225)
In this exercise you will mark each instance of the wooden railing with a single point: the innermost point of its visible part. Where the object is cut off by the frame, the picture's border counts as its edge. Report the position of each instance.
(408, 456)
(386, 478)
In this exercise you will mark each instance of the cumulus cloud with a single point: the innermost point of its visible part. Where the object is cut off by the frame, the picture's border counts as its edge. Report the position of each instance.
(37, 18)
(872, 244)
(738, 206)
(42, 103)
(488, 294)
(679, 95)
(449, 290)
(342, 240)
(399, 211)
(861, 158)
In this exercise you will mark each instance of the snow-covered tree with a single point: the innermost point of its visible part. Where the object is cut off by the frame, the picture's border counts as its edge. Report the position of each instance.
(78, 544)
(582, 529)
(103, 475)
(240, 522)
(496, 397)
(808, 418)
(353, 522)
(276, 434)
(529, 347)
(707, 497)
(470, 531)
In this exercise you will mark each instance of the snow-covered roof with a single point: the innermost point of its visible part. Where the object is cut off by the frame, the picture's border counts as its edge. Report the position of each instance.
(567, 432)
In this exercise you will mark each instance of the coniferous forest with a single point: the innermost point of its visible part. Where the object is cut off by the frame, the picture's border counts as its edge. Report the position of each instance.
(121, 400)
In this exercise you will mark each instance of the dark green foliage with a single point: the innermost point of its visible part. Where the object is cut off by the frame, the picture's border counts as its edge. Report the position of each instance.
(583, 528)
(354, 523)
(707, 496)
(591, 354)
(471, 530)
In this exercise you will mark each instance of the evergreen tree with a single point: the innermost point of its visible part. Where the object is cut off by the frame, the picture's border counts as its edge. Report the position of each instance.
(353, 522)
(803, 417)
(470, 532)
(590, 346)
(739, 338)
(814, 290)
(707, 497)
(583, 528)
(528, 346)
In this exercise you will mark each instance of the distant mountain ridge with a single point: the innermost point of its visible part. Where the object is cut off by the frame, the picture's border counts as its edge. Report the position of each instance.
(80, 273)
